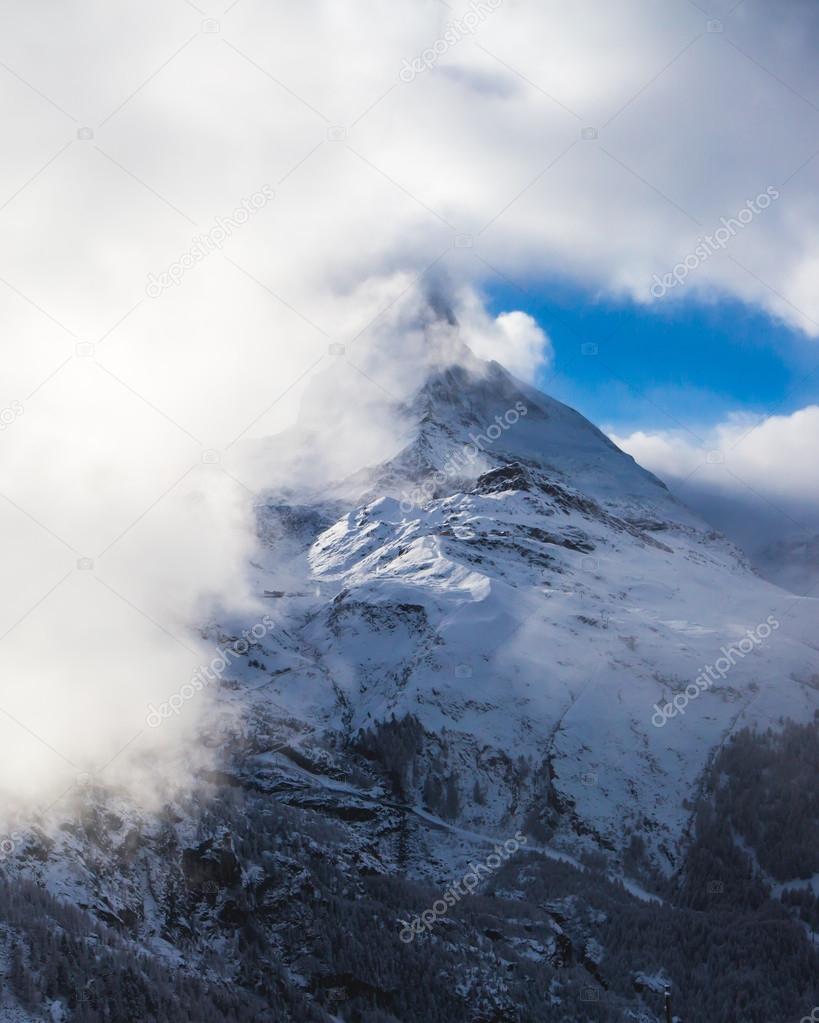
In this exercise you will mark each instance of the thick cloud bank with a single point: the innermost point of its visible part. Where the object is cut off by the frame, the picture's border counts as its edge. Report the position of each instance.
(753, 477)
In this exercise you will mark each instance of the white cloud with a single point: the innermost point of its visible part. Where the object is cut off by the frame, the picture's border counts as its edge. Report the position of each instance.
(514, 339)
(771, 457)
(689, 127)
(753, 479)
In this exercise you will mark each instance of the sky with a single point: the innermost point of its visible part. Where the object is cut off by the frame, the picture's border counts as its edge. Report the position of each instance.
(204, 204)
(633, 367)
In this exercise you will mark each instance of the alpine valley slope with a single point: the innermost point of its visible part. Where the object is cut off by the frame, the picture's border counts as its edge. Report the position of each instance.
(523, 589)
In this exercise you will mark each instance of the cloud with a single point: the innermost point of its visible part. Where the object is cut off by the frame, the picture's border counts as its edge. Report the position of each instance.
(513, 339)
(750, 477)
(767, 456)
(373, 174)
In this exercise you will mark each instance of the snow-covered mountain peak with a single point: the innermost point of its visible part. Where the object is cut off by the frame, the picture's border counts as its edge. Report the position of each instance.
(469, 416)
(510, 579)
(371, 425)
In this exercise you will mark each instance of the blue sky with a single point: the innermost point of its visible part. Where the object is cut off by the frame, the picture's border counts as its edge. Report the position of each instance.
(667, 365)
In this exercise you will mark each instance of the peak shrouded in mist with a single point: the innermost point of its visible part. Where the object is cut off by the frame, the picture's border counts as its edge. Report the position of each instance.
(502, 571)
(357, 409)
(140, 554)
(372, 413)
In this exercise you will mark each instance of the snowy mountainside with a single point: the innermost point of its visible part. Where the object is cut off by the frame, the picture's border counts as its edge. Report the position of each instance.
(529, 591)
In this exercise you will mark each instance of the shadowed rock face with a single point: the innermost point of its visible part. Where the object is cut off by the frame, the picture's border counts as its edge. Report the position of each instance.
(208, 865)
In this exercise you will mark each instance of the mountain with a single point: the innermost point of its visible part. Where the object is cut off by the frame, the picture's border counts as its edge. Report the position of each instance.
(498, 649)
(522, 587)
